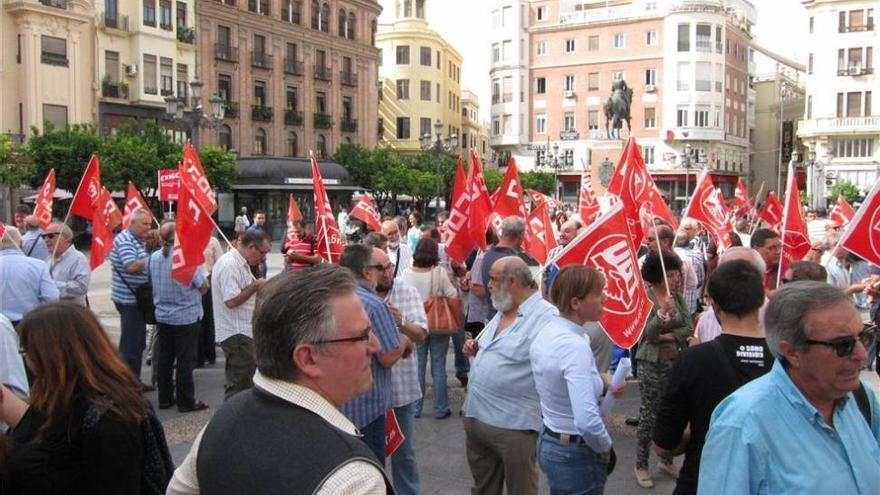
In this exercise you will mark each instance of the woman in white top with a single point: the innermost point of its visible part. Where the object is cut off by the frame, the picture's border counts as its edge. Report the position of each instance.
(430, 281)
(574, 448)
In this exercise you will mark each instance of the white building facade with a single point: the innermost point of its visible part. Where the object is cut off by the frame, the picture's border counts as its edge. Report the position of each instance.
(509, 74)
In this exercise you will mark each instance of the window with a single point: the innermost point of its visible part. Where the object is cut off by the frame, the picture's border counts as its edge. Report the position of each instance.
(506, 54)
(181, 14)
(650, 118)
(325, 18)
(648, 154)
(321, 146)
(684, 76)
(182, 82)
(810, 63)
(569, 46)
(496, 127)
(56, 115)
(593, 43)
(684, 37)
(352, 22)
(437, 93)
(719, 77)
(540, 124)
(507, 87)
(852, 148)
(403, 55)
(150, 13)
(150, 75)
(541, 85)
(347, 109)
(593, 81)
(541, 13)
(260, 93)
(809, 107)
(425, 126)
(651, 77)
(681, 119)
(704, 76)
(811, 24)
(292, 144)
(321, 102)
(701, 117)
(704, 38)
(402, 127)
(619, 40)
(420, 8)
(541, 48)
(403, 89)
(259, 141)
(54, 50)
(568, 121)
(840, 106)
(568, 83)
(718, 43)
(165, 15)
(425, 90)
(224, 87)
(225, 137)
(593, 120)
(425, 56)
(224, 35)
(291, 99)
(506, 16)
(111, 66)
(651, 37)
(259, 6)
(854, 104)
(316, 15)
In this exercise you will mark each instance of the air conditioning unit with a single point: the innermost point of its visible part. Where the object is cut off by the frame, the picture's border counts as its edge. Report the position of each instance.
(131, 70)
(650, 88)
(568, 93)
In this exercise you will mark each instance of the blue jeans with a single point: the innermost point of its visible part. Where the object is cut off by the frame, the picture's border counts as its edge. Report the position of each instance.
(133, 336)
(572, 469)
(439, 347)
(404, 470)
(374, 437)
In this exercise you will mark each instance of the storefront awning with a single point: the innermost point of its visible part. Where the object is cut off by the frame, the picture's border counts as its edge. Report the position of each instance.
(289, 173)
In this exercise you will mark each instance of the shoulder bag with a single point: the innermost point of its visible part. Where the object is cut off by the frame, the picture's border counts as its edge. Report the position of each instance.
(444, 313)
(143, 295)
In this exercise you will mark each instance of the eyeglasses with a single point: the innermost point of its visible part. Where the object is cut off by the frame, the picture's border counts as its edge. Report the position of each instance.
(380, 267)
(360, 338)
(844, 346)
(50, 235)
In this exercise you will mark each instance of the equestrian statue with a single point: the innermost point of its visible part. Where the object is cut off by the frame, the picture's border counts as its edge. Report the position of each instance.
(617, 108)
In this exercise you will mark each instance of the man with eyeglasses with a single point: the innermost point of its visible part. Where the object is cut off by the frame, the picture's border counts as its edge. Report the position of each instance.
(287, 435)
(69, 268)
(234, 299)
(809, 425)
(32, 242)
(769, 245)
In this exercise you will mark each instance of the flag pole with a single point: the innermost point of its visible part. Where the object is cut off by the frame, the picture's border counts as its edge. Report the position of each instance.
(755, 221)
(788, 191)
(660, 255)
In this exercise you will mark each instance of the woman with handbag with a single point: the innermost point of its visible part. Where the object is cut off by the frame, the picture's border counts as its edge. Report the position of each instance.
(443, 308)
(665, 334)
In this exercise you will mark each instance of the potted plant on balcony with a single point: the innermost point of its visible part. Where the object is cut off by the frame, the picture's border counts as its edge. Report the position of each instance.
(186, 34)
(293, 117)
(323, 121)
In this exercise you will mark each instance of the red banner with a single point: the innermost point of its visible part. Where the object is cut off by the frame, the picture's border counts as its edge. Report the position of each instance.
(365, 211)
(192, 233)
(133, 201)
(329, 240)
(102, 238)
(796, 240)
(169, 184)
(110, 212)
(293, 214)
(540, 239)
(2, 230)
(192, 176)
(394, 437)
(588, 206)
(707, 207)
(480, 207)
(772, 212)
(842, 213)
(741, 199)
(87, 192)
(862, 236)
(45, 198)
(606, 246)
(507, 200)
(458, 239)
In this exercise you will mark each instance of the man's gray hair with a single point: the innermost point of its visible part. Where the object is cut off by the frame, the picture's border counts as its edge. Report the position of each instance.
(744, 253)
(356, 257)
(519, 272)
(513, 226)
(11, 239)
(296, 308)
(376, 240)
(789, 307)
(139, 212)
(63, 229)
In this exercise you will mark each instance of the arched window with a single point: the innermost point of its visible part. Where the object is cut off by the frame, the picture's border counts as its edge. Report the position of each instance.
(340, 20)
(321, 146)
(260, 142)
(316, 14)
(292, 144)
(325, 18)
(225, 137)
(351, 25)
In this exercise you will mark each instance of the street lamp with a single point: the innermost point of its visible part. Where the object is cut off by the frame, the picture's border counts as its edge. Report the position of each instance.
(174, 111)
(786, 90)
(437, 147)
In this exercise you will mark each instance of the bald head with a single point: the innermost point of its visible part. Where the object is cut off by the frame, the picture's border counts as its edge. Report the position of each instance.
(743, 253)
(392, 231)
(31, 222)
(569, 230)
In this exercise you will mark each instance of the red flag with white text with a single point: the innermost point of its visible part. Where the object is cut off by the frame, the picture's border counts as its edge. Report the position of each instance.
(169, 184)
(44, 200)
(365, 211)
(192, 176)
(862, 236)
(133, 201)
(796, 238)
(102, 238)
(707, 207)
(192, 233)
(842, 213)
(588, 206)
(772, 212)
(741, 199)
(606, 246)
(540, 239)
(111, 214)
(458, 238)
(327, 235)
(480, 207)
(88, 190)
(508, 199)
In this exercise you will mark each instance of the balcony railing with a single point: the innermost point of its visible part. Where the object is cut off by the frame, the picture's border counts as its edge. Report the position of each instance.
(323, 120)
(260, 113)
(114, 90)
(54, 59)
(225, 52)
(293, 67)
(289, 15)
(186, 34)
(293, 117)
(349, 78)
(261, 60)
(349, 125)
(323, 73)
(855, 71)
(496, 99)
(119, 22)
(230, 109)
(58, 4)
(839, 125)
(856, 28)
(167, 26)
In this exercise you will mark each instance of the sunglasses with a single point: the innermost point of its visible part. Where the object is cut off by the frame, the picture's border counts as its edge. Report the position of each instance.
(50, 235)
(844, 346)
(360, 338)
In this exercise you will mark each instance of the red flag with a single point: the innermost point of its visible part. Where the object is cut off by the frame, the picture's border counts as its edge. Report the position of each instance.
(110, 212)
(707, 207)
(192, 176)
(192, 233)
(169, 184)
(741, 199)
(45, 197)
(365, 211)
(480, 207)
(293, 214)
(862, 236)
(133, 201)
(541, 239)
(329, 240)
(458, 239)
(87, 191)
(796, 240)
(606, 246)
(588, 206)
(772, 212)
(102, 238)
(393, 434)
(508, 198)
(842, 213)
(2, 230)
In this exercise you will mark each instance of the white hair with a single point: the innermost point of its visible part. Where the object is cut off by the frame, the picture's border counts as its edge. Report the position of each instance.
(11, 239)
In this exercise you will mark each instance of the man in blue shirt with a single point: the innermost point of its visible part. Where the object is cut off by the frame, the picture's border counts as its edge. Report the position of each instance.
(32, 242)
(178, 314)
(24, 282)
(803, 427)
(367, 412)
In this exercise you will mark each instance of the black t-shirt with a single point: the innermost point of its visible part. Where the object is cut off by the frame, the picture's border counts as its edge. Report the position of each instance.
(697, 383)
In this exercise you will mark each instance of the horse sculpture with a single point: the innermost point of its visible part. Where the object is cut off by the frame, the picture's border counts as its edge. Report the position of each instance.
(617, 109)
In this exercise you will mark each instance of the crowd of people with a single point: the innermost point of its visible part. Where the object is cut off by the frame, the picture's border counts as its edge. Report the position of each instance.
(744, 361)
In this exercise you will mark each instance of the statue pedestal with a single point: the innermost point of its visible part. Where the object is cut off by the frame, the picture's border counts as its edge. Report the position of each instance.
(601, 172)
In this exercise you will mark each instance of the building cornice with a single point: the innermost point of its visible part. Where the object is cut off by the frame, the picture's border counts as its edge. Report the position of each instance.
(77, 11)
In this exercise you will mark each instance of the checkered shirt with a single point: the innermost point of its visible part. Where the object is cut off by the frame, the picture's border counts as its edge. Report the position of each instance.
(404, 378)
(175, 304)
(695, 259)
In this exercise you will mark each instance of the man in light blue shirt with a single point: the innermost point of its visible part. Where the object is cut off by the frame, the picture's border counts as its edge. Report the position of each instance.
(32, 242)
(804, 427)
(24, 281)
(68, 267)
(502, 411)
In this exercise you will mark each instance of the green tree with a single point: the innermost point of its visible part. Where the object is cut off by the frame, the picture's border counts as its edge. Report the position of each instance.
(493, 179)
(67, 151)
(14, 166)
(220, 167)
(849, 191)
(539, 181)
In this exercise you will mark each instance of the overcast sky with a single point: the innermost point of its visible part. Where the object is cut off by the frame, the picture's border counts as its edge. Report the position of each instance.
(466, 24)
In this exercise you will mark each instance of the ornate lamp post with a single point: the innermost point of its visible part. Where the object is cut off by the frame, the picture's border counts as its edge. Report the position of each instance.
(174, 110)
(438, 146)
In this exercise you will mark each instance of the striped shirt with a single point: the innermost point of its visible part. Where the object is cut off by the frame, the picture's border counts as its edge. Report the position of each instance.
(230, 276)
(175, 304)
(405, 386)
(303, 246)
(72, 275)
(127, 249)
(366, 408)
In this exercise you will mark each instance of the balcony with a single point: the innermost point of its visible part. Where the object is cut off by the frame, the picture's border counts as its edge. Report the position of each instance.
(323, 120)
(496, 99)
(349, 125)
(323, 73)
(293, 67)
(349, 78)
(186, 34)
(49, 58)
(260, 113)
(855, 71)
(119, 22)
(839, 126)
(166, 26)
(293, 117)
(261, 60)
(225, 52)
(288, 15)
(230, 109)
(58, 4)
(858, 28)
(114, 89)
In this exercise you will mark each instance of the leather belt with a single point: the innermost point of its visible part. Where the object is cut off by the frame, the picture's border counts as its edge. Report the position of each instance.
(565, 438)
